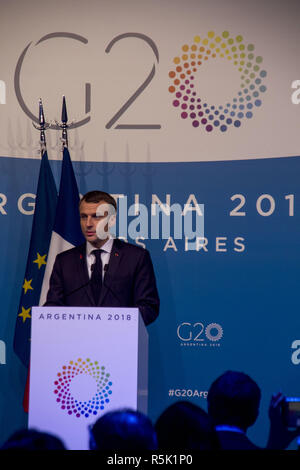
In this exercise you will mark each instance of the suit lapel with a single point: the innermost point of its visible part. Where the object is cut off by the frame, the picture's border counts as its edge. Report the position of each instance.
(114, 261)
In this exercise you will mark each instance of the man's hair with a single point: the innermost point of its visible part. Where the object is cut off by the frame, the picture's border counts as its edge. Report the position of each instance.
(185, 426)
(233, 399)
(32, 439)
(98, 196)
(123, 429)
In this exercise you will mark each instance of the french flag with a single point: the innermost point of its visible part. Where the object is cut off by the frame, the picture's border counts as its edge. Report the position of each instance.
(66, 230)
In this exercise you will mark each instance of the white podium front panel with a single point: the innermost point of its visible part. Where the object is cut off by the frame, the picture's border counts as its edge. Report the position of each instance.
(84, 362)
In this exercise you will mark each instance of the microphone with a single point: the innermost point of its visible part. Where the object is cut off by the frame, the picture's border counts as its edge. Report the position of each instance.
(87, 283)
(105, 267)
(82, 286)
(109, 287)
(78, 288)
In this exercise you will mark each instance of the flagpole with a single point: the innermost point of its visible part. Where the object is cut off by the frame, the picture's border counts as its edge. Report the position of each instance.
(63, 125)
(42, 127)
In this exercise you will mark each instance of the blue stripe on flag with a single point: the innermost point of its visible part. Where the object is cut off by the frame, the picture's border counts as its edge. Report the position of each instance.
(67, 221)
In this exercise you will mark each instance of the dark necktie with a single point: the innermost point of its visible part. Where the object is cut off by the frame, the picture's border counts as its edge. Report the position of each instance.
(96, 277)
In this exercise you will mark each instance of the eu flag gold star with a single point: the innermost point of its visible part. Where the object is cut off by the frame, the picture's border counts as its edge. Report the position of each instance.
(27, 285)
(40, 260)
(25, 314)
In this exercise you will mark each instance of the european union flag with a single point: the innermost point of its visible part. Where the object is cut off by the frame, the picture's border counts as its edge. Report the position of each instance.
(42, 225)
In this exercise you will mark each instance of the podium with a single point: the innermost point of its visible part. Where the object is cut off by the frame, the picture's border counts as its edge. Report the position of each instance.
(85, 361)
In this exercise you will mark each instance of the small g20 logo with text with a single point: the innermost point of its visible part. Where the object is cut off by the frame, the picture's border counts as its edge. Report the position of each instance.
(199, 334)
(295, 357)
(82, 388)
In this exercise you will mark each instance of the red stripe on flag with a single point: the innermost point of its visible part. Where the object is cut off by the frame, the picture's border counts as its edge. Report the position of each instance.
(26, 393)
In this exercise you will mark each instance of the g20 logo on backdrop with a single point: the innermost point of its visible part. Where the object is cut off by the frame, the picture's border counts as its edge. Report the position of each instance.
(185, 95)
(113, 121)
(191, 60)
(82, 388)
(199, 334)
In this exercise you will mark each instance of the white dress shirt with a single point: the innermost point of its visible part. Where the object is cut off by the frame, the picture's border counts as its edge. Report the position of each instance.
(105, 255)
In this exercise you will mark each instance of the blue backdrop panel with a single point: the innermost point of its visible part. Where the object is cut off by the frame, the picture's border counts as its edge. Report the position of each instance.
(231, 305)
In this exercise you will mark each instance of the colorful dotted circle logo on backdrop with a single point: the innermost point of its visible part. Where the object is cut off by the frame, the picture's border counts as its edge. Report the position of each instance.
(235, 110)
(63, 388)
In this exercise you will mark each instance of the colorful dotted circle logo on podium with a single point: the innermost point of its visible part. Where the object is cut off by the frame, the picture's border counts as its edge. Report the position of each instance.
(77, 370)
(235, 110)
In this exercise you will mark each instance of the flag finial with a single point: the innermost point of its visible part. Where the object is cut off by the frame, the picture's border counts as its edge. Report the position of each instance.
(64, 123)
(42, 127)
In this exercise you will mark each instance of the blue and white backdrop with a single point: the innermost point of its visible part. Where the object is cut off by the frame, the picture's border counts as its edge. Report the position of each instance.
(173, 103)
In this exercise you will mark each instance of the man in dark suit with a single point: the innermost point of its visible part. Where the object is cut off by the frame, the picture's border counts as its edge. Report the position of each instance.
(103, 272)
(233, 405)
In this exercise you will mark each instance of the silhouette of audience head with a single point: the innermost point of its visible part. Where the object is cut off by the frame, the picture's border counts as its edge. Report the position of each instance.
(123, 429)
(185, 426)
(31, 439)
(233, 399)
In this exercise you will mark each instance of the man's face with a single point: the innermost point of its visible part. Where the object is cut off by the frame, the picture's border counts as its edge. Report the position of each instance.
(89, 221)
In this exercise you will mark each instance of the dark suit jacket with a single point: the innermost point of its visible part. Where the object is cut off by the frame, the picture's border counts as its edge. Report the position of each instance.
(235, 441)
(128, 282)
